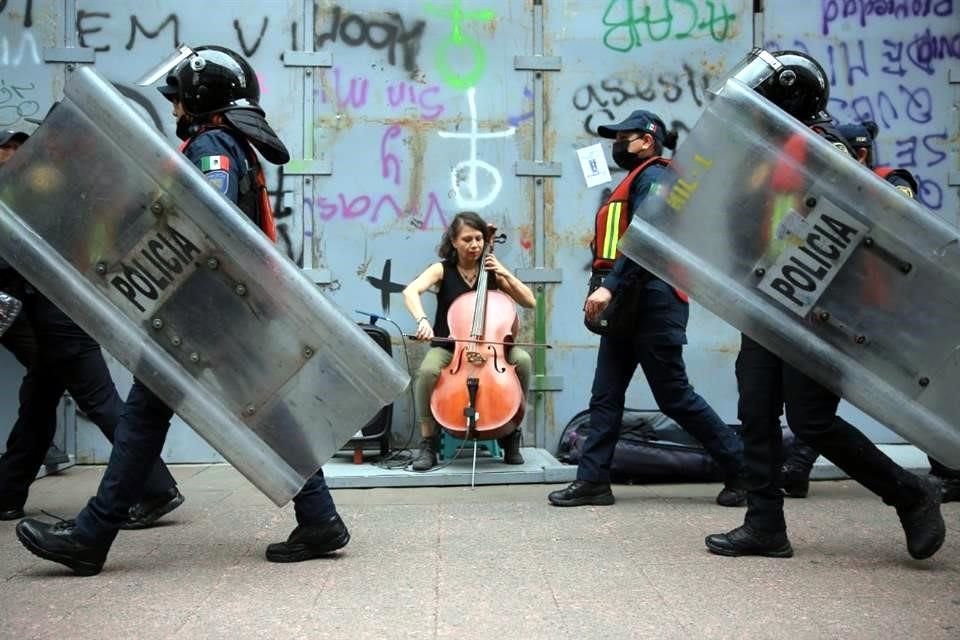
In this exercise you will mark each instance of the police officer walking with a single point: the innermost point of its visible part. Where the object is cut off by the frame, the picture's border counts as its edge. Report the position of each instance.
(215, 96)
(653, 336)
(59, 356)
(861, 136)
(797, 84)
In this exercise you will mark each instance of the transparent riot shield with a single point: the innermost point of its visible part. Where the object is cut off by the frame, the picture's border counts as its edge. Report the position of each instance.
(129, 239)
(794, 243)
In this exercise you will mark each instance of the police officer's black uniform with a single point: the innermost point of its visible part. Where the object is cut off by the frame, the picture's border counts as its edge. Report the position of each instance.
(799, 463)
(60, 356)
(656, 345)
(219, 93)
(798, 85)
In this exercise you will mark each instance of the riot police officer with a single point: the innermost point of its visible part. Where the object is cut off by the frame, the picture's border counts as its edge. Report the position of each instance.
(215, 96)
(799, 463)
(58, 356)
(796, 83)
(655, 331)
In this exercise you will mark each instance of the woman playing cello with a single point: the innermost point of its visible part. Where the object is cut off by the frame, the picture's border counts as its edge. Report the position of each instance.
(461, 250)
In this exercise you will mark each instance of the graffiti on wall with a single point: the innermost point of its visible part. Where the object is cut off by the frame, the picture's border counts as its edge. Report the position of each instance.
(892, 81)
(633, 23)
(610, 99)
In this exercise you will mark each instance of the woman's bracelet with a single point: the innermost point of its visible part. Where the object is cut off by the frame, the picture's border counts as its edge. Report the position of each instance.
(421, 319)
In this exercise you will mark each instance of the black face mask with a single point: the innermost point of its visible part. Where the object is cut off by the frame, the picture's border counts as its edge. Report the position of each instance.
(185, 127)
(624, 159)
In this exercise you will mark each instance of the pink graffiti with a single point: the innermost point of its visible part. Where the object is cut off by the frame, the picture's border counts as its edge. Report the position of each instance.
(355, 95)
(390, 163)
(405, 93)
(369, 207)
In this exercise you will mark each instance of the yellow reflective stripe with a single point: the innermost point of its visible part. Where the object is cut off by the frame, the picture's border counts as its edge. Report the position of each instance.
(612, 234)
(781, 207)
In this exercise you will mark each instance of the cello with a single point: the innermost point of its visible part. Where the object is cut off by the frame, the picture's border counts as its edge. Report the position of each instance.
(479, 396)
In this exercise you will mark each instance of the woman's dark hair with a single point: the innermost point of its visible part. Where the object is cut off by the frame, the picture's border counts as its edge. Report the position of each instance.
(446, 251)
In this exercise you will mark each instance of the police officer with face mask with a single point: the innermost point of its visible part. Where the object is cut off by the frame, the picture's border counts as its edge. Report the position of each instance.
(215, 96)
(796, 83)
(654, 334)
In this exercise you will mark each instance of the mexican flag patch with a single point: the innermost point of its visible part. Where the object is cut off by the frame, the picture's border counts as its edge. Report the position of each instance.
(213, 163)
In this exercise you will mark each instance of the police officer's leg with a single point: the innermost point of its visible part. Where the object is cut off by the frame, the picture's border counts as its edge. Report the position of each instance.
(616, 363)
(948, 479)
(797, 467)
(138, 440)
(666, 374)
(83, 544)
(28, 442)
(319, 532)
(77, 357)
(759, 381)
(810, 413)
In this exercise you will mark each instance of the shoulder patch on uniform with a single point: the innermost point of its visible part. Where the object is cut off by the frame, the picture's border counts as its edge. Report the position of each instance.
(905, 190)
(842, 148)
(219, 179)
(213, 163)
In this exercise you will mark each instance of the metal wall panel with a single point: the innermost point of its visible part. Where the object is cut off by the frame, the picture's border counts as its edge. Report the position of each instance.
(374, 100)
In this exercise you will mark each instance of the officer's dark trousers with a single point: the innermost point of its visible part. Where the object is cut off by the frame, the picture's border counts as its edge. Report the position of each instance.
(658, 349)
(63, 357)
(767, 384)
(143, 427)
(803, 455)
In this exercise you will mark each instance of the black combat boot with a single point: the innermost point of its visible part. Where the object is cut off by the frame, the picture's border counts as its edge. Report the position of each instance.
(796, 469)
(311, 541)
(582, 492)
(59, 543)
(923, 523)
(511, 448)
(149, 510)
(746, 541)
(733, 494)
(427, 458)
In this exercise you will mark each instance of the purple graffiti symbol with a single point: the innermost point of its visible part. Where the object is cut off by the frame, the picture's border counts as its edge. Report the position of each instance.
(389, 163)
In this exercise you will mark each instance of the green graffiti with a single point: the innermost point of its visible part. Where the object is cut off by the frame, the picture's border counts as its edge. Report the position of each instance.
(663, 19)
(458, 41)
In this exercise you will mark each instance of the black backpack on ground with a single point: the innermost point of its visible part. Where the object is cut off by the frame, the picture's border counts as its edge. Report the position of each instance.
(651, 448)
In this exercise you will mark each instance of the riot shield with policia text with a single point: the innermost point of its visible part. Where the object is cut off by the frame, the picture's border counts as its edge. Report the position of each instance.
(768, 226)
(128, 238)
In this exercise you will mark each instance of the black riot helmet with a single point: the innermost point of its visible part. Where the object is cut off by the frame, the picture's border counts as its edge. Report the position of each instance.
(792, 80)
(214, 79)
(209, 80)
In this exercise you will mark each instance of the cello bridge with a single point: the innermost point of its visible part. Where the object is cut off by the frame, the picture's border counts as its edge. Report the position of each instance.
(476, 358)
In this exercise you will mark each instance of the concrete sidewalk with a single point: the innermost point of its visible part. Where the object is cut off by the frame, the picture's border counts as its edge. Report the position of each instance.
(494, 562)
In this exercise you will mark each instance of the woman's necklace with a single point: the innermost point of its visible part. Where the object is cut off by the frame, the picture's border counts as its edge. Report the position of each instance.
(469, 278)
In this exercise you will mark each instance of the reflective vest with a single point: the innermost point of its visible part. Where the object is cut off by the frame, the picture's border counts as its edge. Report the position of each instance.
(613, 218)
(612, 221)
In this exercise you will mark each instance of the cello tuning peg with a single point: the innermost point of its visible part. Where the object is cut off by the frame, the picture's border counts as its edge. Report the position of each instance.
(500, 238)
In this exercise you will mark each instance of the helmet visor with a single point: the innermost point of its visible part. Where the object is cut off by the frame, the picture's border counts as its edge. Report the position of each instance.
(755, 69)
(166, 66)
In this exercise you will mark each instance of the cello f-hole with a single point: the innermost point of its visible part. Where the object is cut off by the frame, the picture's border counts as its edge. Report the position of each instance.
(496, 361)
(458, 361)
